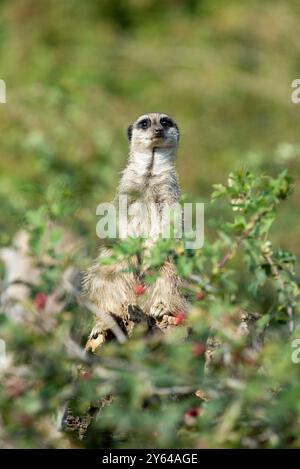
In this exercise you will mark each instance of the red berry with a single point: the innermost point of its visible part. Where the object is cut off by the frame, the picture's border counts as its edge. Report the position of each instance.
(190, 416)
(192, 412)
(86, 375)
(179, 318)
(198, 349)
(200, 296)
(139, 289)
(40, 300)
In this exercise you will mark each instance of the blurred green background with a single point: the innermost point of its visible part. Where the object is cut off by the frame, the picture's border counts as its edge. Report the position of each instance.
(77, 73)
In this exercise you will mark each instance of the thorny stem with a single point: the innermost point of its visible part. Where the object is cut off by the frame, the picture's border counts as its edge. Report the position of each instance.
(232, 252)
(276, 275)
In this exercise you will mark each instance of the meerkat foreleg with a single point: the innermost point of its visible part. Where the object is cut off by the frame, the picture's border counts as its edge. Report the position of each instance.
(111, 289)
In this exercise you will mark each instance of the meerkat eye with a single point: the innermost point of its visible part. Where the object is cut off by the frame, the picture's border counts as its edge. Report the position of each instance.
(166, 122)
(144, 124)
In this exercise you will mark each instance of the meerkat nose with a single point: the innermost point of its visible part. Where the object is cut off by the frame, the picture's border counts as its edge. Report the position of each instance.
(158, 131)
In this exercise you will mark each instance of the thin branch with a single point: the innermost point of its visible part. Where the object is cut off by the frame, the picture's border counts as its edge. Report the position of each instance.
(232, 252)
(106, 318)
(277, 276)
(167, 391)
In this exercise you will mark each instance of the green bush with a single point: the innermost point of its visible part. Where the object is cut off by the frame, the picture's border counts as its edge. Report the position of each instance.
(224, 377)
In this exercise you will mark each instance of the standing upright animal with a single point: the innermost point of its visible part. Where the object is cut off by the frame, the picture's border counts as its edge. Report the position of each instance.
(150, 184)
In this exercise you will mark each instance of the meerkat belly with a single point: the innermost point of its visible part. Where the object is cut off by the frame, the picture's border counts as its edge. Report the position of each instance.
(144, 219)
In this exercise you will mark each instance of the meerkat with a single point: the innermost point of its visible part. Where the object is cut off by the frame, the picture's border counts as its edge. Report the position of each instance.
(149, 182)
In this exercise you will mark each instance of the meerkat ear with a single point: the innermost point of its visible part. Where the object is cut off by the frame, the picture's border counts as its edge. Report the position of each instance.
(129, 132)
(178, 137)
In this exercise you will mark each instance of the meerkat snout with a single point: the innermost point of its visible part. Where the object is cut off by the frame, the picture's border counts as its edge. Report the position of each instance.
(154, 130)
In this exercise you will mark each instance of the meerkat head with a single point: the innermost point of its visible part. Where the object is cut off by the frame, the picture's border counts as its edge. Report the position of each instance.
(154, 130)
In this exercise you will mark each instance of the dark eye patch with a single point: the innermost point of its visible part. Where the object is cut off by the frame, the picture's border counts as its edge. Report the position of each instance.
(166, 122)
(144, 124)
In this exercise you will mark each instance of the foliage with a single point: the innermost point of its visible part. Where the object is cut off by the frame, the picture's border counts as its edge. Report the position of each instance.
(222, 378)
(77, 73)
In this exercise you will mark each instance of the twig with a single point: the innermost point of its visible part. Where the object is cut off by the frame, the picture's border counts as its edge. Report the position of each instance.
(232, 252)
(167, 391)
(277, 276)
(106, 318)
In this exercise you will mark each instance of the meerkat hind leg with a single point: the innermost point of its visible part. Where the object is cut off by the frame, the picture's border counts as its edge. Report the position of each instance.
(164, 295)
(159, 309)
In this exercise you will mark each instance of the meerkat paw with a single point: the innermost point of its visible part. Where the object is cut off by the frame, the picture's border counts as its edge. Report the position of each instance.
(167, 322)
(159, 310)
(95, 340)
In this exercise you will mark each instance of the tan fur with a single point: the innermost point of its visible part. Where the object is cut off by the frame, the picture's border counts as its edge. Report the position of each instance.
(149, 177)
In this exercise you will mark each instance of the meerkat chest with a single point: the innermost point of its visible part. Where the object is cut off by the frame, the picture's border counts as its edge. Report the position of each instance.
(145, 215)
(151, 186)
